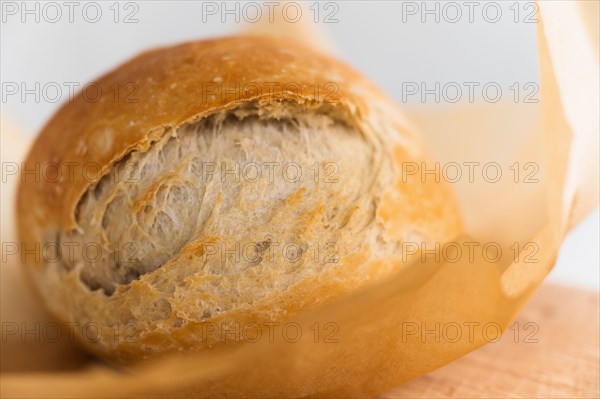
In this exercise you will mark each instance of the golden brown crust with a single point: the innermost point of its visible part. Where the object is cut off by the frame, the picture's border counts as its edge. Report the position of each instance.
(169, 87)
(184, 84)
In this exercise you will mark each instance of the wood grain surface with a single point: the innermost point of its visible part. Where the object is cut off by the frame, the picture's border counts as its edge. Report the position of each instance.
(552, 350)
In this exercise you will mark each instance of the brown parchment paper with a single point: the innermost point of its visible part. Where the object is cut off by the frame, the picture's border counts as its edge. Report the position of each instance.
(373, 348)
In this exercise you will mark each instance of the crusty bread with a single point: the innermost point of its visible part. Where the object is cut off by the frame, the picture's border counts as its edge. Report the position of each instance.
(161, 173)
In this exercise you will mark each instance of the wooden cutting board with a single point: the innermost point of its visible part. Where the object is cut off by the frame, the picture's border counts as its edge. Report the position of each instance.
(552, 350)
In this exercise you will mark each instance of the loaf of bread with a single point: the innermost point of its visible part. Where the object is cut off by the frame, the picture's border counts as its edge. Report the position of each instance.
(238, 180)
